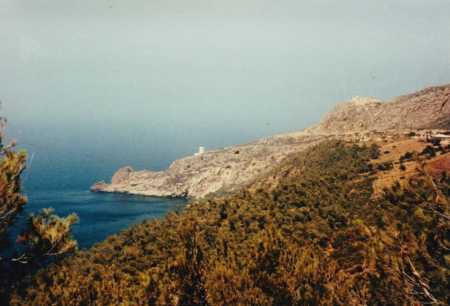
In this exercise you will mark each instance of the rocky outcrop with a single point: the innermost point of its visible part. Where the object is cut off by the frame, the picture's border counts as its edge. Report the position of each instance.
(426, 109)
(212, 171)
(122, 175)
(231, 168)
(101, 186)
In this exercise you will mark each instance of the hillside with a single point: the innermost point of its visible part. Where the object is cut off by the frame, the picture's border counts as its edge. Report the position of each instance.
(313, 231)
(231, 168)
(426, 109)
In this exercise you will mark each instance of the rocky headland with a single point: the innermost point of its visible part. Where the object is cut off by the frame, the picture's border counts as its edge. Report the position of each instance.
(231, 168)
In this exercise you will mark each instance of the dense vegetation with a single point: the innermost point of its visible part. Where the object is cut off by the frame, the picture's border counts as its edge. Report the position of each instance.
(11, 200)
(46, 238)
(311, 233)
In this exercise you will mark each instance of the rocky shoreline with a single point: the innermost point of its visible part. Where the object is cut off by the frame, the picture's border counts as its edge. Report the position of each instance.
(229, 169)
(213, 171)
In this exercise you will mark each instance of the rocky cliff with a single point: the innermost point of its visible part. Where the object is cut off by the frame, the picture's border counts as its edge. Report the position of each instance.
(200, 175)
(426, 109)
(231, 168)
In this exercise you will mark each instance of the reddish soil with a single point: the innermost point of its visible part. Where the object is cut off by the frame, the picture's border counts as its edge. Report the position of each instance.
(439, 165)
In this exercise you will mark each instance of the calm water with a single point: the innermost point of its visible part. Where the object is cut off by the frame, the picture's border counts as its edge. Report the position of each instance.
(100, 214)
(60, 177)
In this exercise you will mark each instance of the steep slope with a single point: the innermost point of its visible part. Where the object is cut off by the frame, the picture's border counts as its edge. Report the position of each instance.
(309, 233)
(426, 109)
(231, 168)
(197, 176)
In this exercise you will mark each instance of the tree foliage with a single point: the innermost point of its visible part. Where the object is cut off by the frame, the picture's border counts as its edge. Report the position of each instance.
(46, 237)
(12, 164)
(310, 233)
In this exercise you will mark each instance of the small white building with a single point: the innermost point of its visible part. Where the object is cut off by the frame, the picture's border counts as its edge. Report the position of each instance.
(201, 150)
(444, 138)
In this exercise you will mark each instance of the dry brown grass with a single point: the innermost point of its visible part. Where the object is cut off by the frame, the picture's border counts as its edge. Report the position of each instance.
(393, 151)
(438, 165)
(386, 179)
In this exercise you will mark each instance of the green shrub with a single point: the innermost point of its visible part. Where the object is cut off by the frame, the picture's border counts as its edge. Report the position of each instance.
(429, 151)
(385, 166)
(47, 236)
(311, 235)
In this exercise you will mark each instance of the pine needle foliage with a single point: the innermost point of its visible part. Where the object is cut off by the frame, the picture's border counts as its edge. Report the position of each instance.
(48, 234)
(12, 164)
(310, 233)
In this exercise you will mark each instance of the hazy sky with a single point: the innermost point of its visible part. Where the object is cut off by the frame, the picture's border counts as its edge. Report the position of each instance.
(148, 81)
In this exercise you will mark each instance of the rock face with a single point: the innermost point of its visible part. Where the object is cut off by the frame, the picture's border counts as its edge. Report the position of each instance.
(122, 175)
(212, 171)
(426, 109)
(231, 168)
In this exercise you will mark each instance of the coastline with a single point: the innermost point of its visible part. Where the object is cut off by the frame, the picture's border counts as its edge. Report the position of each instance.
(231, 168)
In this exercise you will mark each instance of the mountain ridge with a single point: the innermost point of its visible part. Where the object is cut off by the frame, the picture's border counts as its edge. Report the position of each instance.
(230, 168)
(426, 109)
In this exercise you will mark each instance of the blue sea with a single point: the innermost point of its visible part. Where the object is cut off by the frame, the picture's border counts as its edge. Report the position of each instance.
(100, 214)
(60, 179)
(65, 158)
